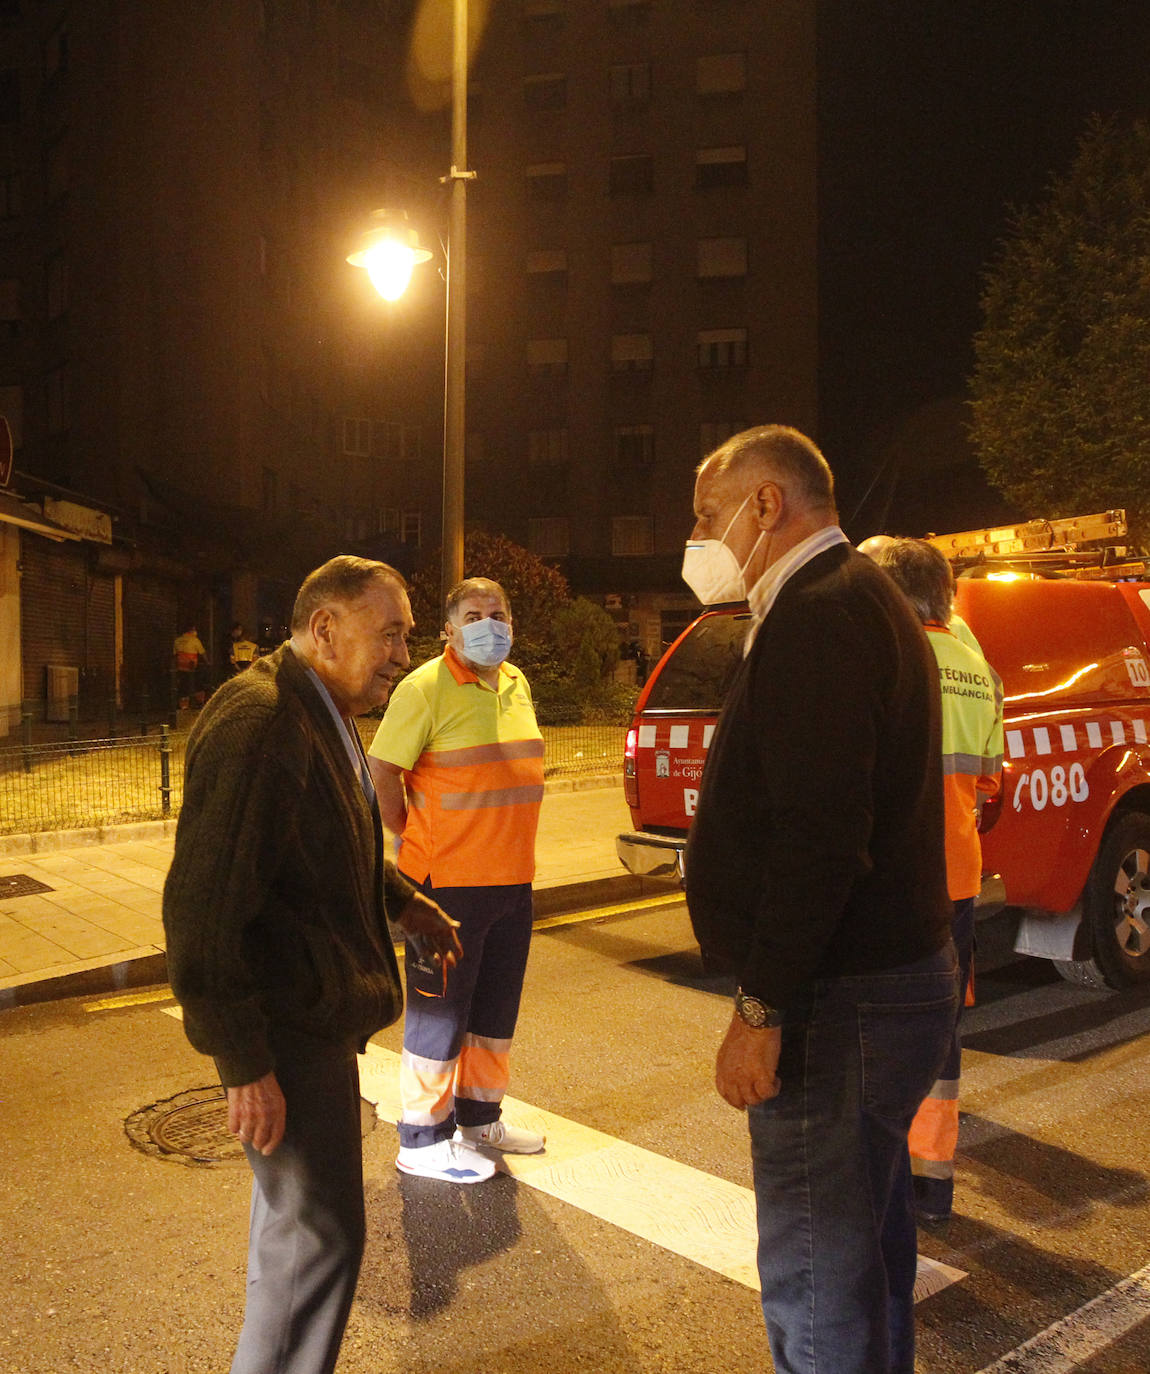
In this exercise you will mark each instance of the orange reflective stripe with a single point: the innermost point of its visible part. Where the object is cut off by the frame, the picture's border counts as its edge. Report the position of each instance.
(478, 754)
(483, 1070)
(496, 796)
(934, 1130)
(425, 1089)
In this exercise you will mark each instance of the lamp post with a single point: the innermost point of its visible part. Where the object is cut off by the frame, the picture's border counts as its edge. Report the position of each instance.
(391, 250)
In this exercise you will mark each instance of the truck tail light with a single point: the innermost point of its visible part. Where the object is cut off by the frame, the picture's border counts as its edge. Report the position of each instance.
(630, 772)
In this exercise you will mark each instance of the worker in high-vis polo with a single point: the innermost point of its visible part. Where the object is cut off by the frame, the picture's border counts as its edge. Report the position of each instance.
(457, 764)
(972, 772)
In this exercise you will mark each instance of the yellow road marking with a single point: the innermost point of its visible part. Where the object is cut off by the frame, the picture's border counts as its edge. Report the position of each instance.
(129, 999)
(570, 918)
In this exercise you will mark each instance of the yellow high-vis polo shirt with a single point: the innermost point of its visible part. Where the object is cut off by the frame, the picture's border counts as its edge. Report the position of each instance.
(472, 757)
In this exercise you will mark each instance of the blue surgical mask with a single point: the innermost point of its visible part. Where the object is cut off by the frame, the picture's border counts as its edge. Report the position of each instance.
(486, 643)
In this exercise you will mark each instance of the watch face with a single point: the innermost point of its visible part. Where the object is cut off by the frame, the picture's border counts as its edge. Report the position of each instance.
(752, 1011)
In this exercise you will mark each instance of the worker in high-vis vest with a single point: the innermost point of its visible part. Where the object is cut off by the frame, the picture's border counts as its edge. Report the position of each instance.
(457, 764)
(242, 651)
(972, 772)
(188, 655)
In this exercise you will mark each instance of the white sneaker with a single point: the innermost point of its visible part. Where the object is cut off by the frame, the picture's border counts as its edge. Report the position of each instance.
(512, 1140)
(453, 1161)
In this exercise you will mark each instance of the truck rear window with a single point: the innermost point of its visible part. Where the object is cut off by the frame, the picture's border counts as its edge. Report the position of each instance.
(698, 675)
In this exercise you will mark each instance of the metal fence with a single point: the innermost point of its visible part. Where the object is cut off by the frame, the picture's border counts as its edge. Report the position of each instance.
(68, 785)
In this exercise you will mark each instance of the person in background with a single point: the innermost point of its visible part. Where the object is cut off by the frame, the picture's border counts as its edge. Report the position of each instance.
(458, 767)
(189, 657)
(242, 651)
(972, 772)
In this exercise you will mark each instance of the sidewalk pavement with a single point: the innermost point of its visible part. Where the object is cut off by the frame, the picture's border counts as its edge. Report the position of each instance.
(94, 925)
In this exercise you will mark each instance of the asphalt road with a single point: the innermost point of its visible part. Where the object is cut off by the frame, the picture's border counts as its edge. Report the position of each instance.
(118, 1260)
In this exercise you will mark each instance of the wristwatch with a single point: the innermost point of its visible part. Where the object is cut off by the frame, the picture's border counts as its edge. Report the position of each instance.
(754, 1012)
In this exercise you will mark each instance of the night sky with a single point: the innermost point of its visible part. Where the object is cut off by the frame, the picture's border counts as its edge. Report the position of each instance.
(935, 117)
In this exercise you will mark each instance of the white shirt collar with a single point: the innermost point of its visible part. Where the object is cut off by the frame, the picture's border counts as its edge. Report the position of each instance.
(765, 592)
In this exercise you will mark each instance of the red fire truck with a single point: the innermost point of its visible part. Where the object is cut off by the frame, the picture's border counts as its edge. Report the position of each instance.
(1066, 847)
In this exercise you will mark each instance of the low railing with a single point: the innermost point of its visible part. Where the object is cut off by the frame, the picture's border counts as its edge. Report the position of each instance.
(74, 784)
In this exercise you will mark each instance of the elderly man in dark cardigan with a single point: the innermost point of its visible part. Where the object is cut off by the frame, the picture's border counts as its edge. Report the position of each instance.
(276, 912)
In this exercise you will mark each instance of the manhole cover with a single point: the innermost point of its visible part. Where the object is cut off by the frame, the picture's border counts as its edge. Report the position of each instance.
(192, 1128)
(20, 885)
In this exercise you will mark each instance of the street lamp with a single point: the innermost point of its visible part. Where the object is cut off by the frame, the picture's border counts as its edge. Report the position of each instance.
(393, 243)
(390, 252)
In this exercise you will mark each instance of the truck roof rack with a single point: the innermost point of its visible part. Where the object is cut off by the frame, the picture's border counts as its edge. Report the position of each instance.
(1082, 546)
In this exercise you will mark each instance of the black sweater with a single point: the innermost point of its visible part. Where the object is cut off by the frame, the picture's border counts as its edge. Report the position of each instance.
(817, 847)
(274, 903)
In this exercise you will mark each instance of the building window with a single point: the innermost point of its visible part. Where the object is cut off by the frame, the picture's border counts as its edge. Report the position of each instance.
(56, 277)
(386, 441)
(357, 437)
(10, 198)
(723, 73)
(635, 445)
(712, 433)
(549, 536)
(547, 357)
(269, 482)
(56, 54)
(10, 96)
(721, 348)
(547, 262)
(56, 171)
(630, 85)
(387, 520)
(411, 528)
(545, 92)
(9, 307)
(547, 180)
(56, 400)
(12, 409)
(632, 536)
(632, 353)
(635, 172)
(547, 447)
(630, 263)
(722, 257)
(721, 167)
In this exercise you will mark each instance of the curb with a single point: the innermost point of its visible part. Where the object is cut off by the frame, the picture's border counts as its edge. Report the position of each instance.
(49, 841)
(147, 969)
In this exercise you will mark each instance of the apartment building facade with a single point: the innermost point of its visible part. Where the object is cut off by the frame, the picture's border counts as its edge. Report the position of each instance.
(206, 399)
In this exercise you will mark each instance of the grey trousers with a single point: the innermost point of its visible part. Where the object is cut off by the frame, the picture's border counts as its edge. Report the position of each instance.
(307, 1216)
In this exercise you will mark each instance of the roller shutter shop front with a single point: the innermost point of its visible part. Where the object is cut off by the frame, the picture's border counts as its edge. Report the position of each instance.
(67, 620)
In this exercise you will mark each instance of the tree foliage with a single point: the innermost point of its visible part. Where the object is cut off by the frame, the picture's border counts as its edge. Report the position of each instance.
(1061, 387)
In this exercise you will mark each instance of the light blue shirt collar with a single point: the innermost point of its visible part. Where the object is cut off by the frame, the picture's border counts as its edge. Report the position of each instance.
(347, 732)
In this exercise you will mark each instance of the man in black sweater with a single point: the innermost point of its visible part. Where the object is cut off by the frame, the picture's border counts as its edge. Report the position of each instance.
(816, 868)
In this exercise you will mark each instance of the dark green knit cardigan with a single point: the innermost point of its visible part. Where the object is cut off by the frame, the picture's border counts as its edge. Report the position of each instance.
(274, 907)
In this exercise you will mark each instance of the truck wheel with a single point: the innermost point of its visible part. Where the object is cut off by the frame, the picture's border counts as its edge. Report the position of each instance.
(1116, 903)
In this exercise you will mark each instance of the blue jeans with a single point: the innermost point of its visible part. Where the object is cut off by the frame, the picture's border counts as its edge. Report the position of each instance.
(837, 1246)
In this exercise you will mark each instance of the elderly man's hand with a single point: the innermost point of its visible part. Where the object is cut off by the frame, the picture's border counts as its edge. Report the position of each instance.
(746, 1063)
(433, 928)
(257, 1113)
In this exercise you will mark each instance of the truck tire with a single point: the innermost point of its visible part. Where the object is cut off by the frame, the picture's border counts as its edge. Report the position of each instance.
(1116, 903)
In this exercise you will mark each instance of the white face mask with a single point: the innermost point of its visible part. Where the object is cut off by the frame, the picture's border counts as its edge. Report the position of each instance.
(712, 571)
(486, 643)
